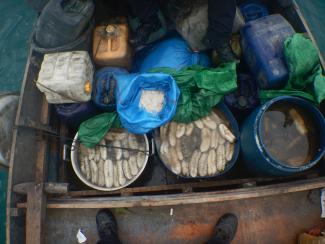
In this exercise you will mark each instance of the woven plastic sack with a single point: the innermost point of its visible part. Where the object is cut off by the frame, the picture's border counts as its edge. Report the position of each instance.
(201, 89)
(305, 72)
(170, 53)
(130, 88)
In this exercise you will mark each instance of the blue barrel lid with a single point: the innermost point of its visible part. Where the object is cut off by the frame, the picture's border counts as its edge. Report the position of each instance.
(253, 10)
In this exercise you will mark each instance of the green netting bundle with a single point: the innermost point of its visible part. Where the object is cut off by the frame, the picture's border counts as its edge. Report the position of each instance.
(201, 89)
(305, 72)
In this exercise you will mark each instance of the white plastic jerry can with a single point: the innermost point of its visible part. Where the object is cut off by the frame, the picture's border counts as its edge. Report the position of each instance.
(66, 77)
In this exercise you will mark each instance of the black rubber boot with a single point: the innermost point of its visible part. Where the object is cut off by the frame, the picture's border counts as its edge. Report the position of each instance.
(225, 230)
(107, 227)
(146, 28)
(225, 54)
(224, 51)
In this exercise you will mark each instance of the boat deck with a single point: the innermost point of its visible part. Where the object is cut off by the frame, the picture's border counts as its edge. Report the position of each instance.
(275, 219)
(269, 210)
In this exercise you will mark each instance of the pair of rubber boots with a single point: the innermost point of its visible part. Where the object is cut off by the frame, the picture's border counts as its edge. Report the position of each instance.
(225, 229)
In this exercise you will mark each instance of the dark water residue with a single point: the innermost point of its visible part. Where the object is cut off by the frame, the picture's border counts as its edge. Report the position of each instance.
(289, 134)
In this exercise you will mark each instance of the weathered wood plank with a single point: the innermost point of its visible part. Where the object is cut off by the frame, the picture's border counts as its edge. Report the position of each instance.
(62, 169)
(40, 170)
(188, 185)
(146, 189)
(187, 198)
(13, 151)
(266, 220)
(49, 188)
(36, 198)
(35, 214)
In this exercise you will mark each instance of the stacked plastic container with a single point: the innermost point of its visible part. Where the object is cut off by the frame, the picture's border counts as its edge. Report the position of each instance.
(262, 45)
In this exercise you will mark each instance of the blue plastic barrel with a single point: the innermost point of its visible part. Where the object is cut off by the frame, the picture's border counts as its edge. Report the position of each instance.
(253, 10)
(73, 114)
(262, 44)
(256, 157)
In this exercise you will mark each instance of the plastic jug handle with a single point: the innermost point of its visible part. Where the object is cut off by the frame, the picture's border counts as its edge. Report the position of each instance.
(112, 32)
(114, 44)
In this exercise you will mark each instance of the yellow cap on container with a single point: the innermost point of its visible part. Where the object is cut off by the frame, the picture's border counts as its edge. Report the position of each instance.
(87, 87)
(110, 29)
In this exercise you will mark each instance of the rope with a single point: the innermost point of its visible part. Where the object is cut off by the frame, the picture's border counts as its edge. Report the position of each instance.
(76, 141)
(56, 92)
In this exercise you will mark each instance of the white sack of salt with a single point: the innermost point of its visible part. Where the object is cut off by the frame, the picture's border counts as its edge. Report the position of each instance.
(152, 100)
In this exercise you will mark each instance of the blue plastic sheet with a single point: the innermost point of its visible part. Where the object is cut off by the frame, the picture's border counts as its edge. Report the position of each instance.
(133, 116)
(252, 10)
(172, 53)
(17, 21)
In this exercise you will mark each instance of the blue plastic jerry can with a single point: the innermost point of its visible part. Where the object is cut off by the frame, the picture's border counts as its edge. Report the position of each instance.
(262, 45)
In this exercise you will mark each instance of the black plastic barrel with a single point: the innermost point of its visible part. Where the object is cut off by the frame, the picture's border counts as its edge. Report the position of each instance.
(62, 22)
(73, 114)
